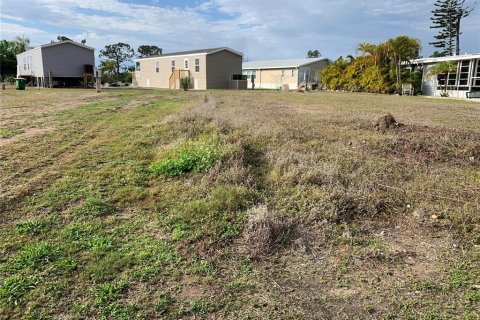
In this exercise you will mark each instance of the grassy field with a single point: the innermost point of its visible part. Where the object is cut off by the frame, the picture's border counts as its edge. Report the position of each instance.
(146, 204)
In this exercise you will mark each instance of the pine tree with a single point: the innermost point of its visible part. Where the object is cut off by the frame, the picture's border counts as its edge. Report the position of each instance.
(461, 11)
(447, 17)
(444, 19)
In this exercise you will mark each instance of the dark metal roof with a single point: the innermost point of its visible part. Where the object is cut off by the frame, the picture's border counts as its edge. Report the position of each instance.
(182, 53)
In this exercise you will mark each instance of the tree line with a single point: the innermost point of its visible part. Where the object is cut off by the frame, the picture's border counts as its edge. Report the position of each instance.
(378, 69)
(8, 55)
(115, 57)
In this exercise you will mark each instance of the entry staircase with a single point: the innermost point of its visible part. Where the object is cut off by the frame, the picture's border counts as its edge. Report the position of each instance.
(176, 76)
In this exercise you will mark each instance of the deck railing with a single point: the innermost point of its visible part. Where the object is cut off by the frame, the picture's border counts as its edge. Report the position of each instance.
(177, 75)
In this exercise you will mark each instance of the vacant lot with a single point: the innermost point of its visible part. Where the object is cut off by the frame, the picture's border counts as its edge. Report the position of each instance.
(238, 205)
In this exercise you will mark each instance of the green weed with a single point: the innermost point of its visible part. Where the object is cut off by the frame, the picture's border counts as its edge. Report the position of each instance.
(107, 267)
(15, 288)
(460, 276)
(109, 292)
(200, 307)
(107, 304)
(204, 268)
(66, 265)
(9, 132)
(192, 156)
(163, 302)
(100, 243)
(32, 256)
(33, 227)
(38, 316)
(237, 285)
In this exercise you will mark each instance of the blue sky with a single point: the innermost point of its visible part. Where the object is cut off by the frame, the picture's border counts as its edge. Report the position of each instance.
(261, 29)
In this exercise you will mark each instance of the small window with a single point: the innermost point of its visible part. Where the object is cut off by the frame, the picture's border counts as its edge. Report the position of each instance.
(137, 66)
(197, 65)
(185, 64)
(293, 73)
(173, 65)
(283, 73)
(157, 66)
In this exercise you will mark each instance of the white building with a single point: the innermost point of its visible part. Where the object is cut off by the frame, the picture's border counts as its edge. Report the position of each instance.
(464, 83)
(64, 62)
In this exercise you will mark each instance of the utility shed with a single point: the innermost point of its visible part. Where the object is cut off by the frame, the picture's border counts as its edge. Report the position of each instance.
(273, 74)
(206, 68)
(65, 63)
(463, 83)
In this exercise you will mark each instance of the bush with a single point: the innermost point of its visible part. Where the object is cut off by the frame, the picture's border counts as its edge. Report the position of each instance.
(185, 83)
(10, 79)
(193, 156)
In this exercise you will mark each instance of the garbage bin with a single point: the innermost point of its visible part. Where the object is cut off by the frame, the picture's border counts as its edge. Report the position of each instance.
(20, 83)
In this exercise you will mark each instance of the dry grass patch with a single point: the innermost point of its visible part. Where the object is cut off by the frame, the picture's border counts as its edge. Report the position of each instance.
(265, 233)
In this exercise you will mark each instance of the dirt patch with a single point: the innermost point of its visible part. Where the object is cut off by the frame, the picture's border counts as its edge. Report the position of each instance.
(29, 133)
(387, 122)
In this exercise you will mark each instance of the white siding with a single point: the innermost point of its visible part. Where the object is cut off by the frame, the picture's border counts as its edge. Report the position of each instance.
(429, 83)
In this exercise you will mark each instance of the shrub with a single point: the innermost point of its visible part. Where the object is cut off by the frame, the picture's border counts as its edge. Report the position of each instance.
(10, 79)
(193, 156)
(185, 83)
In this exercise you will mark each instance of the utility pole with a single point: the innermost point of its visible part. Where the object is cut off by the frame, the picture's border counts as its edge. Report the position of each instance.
(98, 76)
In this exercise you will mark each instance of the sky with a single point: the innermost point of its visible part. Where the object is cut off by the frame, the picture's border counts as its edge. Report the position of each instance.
(261, 29)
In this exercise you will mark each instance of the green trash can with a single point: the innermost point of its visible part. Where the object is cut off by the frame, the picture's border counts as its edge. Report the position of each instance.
(20, 83)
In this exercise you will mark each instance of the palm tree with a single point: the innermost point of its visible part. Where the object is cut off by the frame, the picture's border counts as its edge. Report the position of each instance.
(443, 68)
(350, 58)
(400, 49)
(313, 54)
(365, 48)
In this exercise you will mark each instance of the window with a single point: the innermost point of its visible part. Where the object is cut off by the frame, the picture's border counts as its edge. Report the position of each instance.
(173, 65)
(476, 74)
(293, 73)
(451, 81)
(137, 66)
(304, 74)
(250, 74)
(197, 65)
(24, 63)
(283, 73)
(185, 63)
(157, 66)
(463, 75)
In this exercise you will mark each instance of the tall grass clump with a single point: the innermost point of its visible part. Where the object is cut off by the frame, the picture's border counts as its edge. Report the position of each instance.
(191, 156)
(14, 289)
